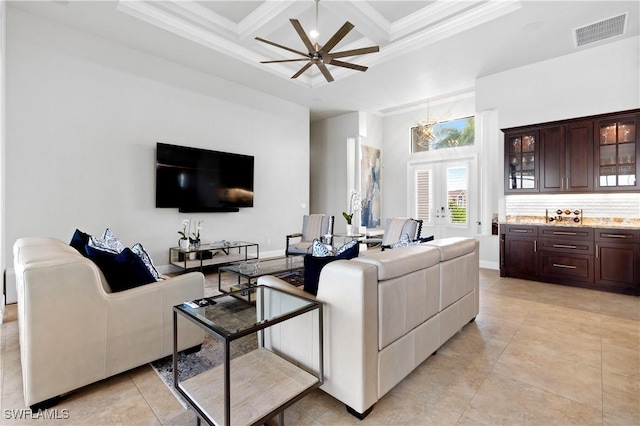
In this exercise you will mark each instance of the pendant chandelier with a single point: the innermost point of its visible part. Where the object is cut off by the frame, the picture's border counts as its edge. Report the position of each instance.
(424, 131)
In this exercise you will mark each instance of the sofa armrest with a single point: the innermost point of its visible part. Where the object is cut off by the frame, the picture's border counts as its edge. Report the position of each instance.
(140, 321)
(349, 292)
(274, 282)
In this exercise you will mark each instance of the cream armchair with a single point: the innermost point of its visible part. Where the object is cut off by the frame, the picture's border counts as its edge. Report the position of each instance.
(313, 226)
(394, 229)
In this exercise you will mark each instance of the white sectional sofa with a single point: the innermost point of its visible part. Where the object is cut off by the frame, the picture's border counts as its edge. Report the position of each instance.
(74, 331)
(384, 314)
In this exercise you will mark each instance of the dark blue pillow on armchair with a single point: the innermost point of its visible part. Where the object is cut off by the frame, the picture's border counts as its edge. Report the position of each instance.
(123, 271)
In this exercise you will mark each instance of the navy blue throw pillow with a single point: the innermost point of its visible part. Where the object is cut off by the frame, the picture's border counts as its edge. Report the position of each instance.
(349, 250)
(123, 271)
(79, 240)
(312, 267)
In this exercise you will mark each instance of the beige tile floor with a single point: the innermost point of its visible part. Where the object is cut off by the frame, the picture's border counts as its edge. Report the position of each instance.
(538, 353)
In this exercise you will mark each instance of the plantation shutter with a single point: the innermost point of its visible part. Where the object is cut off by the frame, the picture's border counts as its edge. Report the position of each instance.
(424, 195)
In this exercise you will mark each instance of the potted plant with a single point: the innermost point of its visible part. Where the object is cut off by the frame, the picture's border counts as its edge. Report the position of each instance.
(195, 236)
(183, 242)
(355, 204)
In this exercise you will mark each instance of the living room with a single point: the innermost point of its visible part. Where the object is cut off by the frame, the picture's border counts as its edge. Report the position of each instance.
(83, 115)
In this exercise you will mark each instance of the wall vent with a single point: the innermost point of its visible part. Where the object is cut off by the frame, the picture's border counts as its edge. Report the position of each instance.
(600, 30)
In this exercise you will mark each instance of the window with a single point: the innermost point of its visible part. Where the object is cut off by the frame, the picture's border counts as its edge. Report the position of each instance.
(457, 190)
(447, 134)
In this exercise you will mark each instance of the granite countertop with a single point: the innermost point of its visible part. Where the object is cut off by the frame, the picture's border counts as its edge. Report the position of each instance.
(591, 222)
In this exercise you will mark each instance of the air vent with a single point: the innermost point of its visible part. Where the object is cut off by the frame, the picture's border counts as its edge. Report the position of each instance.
(600, 30)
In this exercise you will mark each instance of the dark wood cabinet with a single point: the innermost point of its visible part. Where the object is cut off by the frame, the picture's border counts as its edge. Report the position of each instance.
(566, 158)
(617, 259)
(552, 164)
(520, 242)
(521, 161)
(579, 157)
(598, 153)
(602, 258)
(566, 254)
(616, 152)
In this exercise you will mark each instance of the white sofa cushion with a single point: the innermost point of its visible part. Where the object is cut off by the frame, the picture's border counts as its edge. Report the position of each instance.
(397, 262)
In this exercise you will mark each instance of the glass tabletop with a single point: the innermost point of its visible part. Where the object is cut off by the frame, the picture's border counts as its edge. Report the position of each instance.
(230, 317)
(255, 268)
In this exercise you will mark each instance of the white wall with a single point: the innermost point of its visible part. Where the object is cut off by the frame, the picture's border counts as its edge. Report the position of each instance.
(83, 118)
(334, 165)
(593, 81)
(328, 166)
(396, 151)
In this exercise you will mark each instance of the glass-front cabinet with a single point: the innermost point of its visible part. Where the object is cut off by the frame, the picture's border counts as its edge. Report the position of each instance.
(616, 153)
(521, 157)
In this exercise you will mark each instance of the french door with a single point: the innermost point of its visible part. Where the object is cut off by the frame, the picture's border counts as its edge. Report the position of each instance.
(443, 195)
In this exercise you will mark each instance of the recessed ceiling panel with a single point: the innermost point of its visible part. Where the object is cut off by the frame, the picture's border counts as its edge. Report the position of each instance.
(235, 11)
(395, 10)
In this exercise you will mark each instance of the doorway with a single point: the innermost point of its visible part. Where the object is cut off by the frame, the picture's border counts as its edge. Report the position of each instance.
(443, 195)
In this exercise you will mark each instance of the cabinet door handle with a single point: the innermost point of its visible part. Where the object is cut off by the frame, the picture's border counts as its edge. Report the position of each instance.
(614, 236)
(522, 231)
(560, 265)
(564, 233)
(597, 249)
(535, 246)
(564, 246)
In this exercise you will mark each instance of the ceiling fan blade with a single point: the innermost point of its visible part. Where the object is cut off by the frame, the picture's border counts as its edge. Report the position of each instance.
(298, 27)
(284, 60)
(355, 52)
(324, 71)
(306, 55)
(347, 65)
(303, 69)
(339, 35)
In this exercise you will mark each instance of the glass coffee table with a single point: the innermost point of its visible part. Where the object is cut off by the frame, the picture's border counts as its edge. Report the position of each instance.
(257, 385)
(248, 272)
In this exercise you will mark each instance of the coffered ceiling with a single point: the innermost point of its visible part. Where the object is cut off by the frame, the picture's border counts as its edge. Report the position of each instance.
(428, 49)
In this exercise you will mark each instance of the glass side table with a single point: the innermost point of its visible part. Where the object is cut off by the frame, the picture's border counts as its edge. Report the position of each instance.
(258, 385)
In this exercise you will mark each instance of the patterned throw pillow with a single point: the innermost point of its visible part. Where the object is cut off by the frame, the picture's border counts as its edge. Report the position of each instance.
(348, 250)
(318, 249)
(146, 259)
(404, 242)
(108, 242)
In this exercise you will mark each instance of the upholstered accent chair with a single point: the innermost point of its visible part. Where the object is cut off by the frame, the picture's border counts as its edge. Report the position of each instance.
(394, 229)
(313, 226)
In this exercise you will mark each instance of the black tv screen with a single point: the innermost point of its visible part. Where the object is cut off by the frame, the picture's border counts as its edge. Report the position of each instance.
(194, 179)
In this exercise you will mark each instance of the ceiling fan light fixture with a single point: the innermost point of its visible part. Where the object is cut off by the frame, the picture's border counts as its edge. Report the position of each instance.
(320, 55)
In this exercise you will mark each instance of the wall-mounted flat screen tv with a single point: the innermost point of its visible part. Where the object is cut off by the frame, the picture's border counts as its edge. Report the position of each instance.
(201, 180)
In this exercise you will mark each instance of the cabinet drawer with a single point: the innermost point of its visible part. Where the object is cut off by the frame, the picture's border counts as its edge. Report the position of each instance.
(566, 246)
(614, 235)
(530, 231)
(566, 233)
(573, 267)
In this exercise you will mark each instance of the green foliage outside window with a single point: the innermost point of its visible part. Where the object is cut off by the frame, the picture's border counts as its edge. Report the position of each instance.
(456, 213)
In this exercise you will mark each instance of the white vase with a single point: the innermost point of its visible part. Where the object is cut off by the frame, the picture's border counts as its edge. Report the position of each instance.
(349, 229)
(184, 244)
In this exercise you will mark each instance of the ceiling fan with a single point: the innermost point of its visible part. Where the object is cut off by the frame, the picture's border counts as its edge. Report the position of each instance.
(321, 56)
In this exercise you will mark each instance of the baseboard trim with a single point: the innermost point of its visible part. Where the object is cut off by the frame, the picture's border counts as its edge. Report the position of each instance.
(490, 265)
